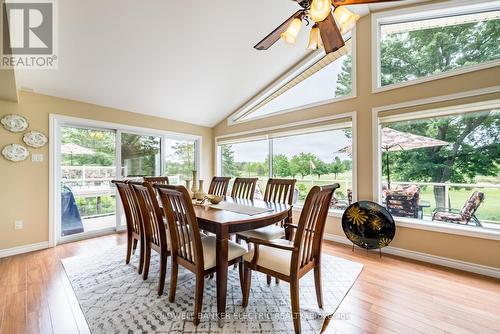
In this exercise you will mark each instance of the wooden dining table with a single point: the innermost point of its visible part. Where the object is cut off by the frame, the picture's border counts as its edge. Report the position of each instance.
(223, 223)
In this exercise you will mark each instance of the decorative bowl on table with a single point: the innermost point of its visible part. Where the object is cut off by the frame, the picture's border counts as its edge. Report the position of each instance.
(214, 199)
(368, 225)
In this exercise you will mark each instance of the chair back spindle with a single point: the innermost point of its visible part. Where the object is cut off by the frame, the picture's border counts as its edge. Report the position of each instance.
(219, 185)
(244, 187)
(183, 225)
(280, 191)
(154, 227)
(311, 225)
(129, 203)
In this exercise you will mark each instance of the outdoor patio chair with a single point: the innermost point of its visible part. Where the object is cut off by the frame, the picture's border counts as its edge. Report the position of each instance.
(403, 202)
(463, 216)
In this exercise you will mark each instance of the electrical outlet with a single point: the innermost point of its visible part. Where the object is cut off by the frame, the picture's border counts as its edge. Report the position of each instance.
(36, 157)
(18, 225)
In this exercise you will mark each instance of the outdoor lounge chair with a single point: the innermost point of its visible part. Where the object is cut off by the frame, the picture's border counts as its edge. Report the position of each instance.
(403, 202)
(464, 216)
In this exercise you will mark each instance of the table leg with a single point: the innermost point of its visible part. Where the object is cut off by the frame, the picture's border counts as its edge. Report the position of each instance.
(222, 236)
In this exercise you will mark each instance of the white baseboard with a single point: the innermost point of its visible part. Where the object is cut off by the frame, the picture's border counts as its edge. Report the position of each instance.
(439, 260)
(23, 249)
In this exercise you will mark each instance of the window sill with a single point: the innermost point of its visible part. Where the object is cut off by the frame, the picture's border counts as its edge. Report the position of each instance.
(448, 228)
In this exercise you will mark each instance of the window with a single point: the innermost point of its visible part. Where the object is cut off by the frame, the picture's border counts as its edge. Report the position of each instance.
(319, 79)
(443, 168)
(246, 159)
(180, 159)
(312, 156)
(433, 42)
(140, 155)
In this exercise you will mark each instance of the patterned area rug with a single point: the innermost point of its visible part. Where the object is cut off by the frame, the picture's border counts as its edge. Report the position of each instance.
(115, 299)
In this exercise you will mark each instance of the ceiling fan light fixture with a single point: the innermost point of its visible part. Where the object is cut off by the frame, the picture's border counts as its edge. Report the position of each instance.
(345, 19)
(291, 33)
(319, 10)
(315, 41)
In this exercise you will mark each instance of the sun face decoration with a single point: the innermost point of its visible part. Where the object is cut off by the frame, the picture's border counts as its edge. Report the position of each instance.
(384, 242)
(356, 215)
(376, 224)
(373, 208)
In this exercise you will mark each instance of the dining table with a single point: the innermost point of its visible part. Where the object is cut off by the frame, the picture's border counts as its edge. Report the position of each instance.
(230, 217)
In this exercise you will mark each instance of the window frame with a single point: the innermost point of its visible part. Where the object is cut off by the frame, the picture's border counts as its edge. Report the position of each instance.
(310, 126)
(377, 120)
(312, 58)
(417, 13)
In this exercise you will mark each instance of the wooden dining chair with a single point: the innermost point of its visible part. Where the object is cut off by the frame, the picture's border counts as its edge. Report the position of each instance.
(244, 187)
(189, 249)
(157, 179)
(277, 191)
(219, 185)
(133, 218)
(291, 260)
(156, 236)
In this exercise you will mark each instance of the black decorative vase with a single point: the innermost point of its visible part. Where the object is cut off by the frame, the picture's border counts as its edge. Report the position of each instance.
(368, 225)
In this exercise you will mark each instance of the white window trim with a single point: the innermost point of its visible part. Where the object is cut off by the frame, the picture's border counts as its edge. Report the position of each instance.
(55, 123)
(420, 224)
(219, 140)
(422, 11)
(296, 70)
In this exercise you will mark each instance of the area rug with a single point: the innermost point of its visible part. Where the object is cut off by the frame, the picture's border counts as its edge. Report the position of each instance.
(115, 299)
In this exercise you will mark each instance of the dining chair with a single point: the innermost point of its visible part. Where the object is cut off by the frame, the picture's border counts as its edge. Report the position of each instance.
(277, 191)
(157, 179)
(189, 249)
(244, 187)
(133, 219)
(291, 260)
(219, 185)
(156, 236)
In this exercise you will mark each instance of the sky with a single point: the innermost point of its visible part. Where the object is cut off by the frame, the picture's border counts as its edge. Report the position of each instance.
(322, 144)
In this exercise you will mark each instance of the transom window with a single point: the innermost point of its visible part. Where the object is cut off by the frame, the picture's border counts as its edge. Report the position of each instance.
(432, 43)
(318, 80)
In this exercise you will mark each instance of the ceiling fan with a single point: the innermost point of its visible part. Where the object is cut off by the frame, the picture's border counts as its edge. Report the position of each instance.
(327, 29)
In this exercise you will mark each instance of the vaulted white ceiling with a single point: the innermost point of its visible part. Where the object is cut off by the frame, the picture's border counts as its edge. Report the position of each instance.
(187, 60)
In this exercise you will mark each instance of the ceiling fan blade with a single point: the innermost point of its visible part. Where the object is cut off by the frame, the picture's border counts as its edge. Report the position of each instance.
(330, 34)
(358, 2)
(273, 37)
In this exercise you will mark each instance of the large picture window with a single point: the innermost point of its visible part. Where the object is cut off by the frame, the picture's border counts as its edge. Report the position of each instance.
(431, 43)
(312, 157)
(443, 168)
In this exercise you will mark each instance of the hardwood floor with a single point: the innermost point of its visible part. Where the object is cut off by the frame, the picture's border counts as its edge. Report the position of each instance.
(392, 295)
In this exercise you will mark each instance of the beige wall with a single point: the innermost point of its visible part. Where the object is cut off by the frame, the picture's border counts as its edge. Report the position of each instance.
(475, 250)
(25, 185)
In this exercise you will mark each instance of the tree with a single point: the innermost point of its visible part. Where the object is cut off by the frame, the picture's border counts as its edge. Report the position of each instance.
(337, 167)
(228, 164)
(281, 166)
(344, 80)
(303, 164)
(320, 168)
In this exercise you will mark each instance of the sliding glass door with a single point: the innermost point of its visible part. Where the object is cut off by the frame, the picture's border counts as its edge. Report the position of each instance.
(87, 166)
(89, 155)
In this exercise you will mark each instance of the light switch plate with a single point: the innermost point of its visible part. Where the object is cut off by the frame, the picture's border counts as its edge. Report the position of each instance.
(37, 157)
(18, 225)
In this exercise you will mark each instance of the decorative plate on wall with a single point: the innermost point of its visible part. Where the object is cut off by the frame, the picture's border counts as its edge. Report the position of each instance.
(15, 152)
(14, 123)
(35, 139)
(368, 225)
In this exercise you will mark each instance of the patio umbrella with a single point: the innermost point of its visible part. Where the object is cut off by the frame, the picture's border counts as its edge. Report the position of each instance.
(71, 149)
(393, 140)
